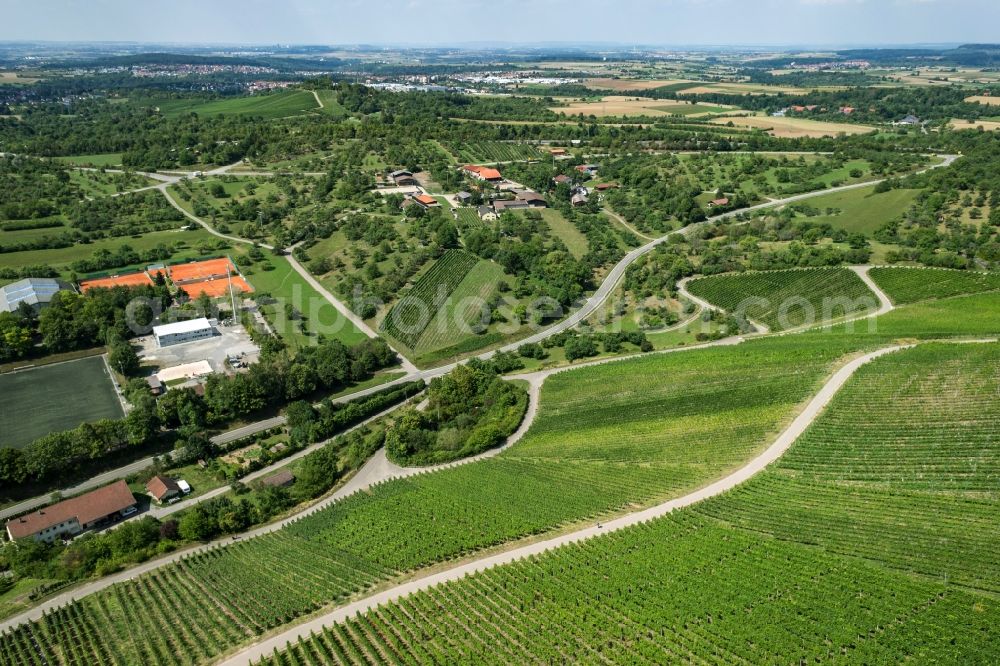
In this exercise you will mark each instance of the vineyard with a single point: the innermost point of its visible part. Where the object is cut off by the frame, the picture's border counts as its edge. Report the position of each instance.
(412, 314)
(490, 152)
(902, 469)
(647, 439)
(680, 589)
(881, 478)
(974, 315)
(908, 285)
(193, 611)
(466, 311)
(790, 298)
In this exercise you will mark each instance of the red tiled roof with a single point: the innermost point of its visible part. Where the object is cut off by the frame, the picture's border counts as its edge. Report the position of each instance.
(426, 199)
(159, 486)
(486, 173)
(720, 202)
(86, 509)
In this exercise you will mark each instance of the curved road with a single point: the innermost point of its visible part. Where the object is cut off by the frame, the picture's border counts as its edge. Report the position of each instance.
(755, 466)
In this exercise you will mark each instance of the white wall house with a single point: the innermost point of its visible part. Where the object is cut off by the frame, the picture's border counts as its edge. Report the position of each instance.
(183, 331)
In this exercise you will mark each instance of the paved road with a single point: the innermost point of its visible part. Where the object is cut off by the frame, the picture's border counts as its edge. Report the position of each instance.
(754, 467)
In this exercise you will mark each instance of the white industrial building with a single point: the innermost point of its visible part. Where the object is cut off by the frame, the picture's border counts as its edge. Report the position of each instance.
(183, 331)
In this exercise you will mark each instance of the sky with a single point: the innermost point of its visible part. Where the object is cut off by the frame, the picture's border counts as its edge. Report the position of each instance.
(467, 22)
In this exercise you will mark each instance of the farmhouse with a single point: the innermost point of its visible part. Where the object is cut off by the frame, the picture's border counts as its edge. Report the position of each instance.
(162, 488)
(183, 331)
(484, 174)
(715, 203)
(562, 179)
(557, 152)
(36, 292)
(74, 515)
(588, 169)
(486, 214)
(847, 110)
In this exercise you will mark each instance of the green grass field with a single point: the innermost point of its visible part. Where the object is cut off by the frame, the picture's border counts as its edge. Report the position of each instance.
(862, 210)
(53, 398)
(61, 257)
(690, 109)
(273, 105)
(909, 285)
(102, 160)
(574, 239)
(786, 299)
(314, 314)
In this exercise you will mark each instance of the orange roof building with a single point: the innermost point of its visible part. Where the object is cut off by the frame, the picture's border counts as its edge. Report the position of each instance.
(426, 200)
(482, 173)
(74, 515)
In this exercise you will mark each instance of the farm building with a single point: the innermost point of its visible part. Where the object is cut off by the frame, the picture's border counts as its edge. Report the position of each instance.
(501, 205)
(427, 201)
(282, 479)
(562, 179)
(162, 488)
(715, 203)
(36, 292)
(464, 198)
(603, 187)
(183, 331)
(74, 515)
(485, 174)
(403, 178)
(533, 199)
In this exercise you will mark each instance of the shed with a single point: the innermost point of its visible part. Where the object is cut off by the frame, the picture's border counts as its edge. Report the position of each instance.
(282, 479)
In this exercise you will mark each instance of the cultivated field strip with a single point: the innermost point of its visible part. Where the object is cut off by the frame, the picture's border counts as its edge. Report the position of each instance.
(788, 298)
(680, 589)
(909, 285)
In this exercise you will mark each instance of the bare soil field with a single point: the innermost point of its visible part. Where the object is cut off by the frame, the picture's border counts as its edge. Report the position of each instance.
(631, 85)
(983, 99)
(12, 77)
(793, 128)
(988, 125)
(619, 105)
